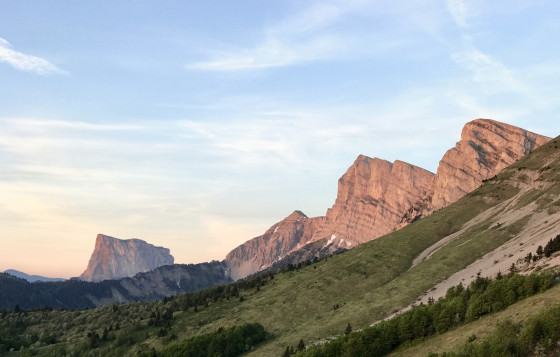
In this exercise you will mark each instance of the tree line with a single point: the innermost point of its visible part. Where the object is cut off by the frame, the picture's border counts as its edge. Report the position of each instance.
(460, 305)
(538, 336)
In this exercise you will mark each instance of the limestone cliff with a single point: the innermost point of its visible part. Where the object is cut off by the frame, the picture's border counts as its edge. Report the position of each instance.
(278, 241)
(373, 195)
(486, 148)
(114, 258)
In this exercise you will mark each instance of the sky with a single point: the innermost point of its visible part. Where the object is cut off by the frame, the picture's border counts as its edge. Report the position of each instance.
(196, 125)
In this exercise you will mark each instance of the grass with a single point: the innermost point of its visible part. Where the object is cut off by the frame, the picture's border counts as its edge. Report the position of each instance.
(367, 282)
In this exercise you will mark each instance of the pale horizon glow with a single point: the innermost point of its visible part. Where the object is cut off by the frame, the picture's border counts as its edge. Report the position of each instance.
(197, 125)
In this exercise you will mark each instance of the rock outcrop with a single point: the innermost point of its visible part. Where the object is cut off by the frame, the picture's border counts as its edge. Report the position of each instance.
(277, 242)
(115, 258)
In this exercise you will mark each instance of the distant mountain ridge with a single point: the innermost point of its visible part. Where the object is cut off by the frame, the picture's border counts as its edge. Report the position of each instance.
(31, 278)
(376, 197)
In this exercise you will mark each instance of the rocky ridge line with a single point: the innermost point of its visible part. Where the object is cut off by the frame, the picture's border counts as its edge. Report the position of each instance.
(376, 197)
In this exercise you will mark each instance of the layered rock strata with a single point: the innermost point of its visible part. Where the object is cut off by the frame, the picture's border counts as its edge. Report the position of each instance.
(373, 195)
(486, 148)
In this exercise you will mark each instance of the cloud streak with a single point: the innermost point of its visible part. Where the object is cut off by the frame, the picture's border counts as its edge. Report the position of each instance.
(459, 11)
(289, 42)
(272, 53)
(25, 62)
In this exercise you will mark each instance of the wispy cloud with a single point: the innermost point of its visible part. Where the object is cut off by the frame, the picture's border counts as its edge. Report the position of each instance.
(290, 42)
(25, 62)
(272, 53)
(459, 11)
(486, 69)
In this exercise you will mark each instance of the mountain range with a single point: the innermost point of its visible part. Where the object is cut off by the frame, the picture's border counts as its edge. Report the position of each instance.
(492, 231)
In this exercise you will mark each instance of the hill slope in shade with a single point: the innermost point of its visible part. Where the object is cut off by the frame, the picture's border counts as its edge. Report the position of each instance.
(165, 281)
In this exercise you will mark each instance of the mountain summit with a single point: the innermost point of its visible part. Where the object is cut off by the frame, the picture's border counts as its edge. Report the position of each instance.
(486, 148)
(115, 258)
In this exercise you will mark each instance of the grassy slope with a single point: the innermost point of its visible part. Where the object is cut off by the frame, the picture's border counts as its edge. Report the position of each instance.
(367, 282)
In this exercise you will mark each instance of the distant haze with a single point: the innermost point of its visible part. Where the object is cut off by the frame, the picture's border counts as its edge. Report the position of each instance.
(30, 278)
(197, 125)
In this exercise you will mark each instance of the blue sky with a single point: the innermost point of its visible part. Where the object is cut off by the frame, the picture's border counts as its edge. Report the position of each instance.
(196, 125)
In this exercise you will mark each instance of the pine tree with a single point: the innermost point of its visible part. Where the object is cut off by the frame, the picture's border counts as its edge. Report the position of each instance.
(348, 329)
(301, 345)
(512, 269)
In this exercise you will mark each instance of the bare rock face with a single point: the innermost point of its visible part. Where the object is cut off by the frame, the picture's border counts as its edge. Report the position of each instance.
(486, 148)
(373, 195)
(114, 258)
(278, 241)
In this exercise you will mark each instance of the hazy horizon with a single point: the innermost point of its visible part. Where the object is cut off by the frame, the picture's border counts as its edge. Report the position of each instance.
(196, 126)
